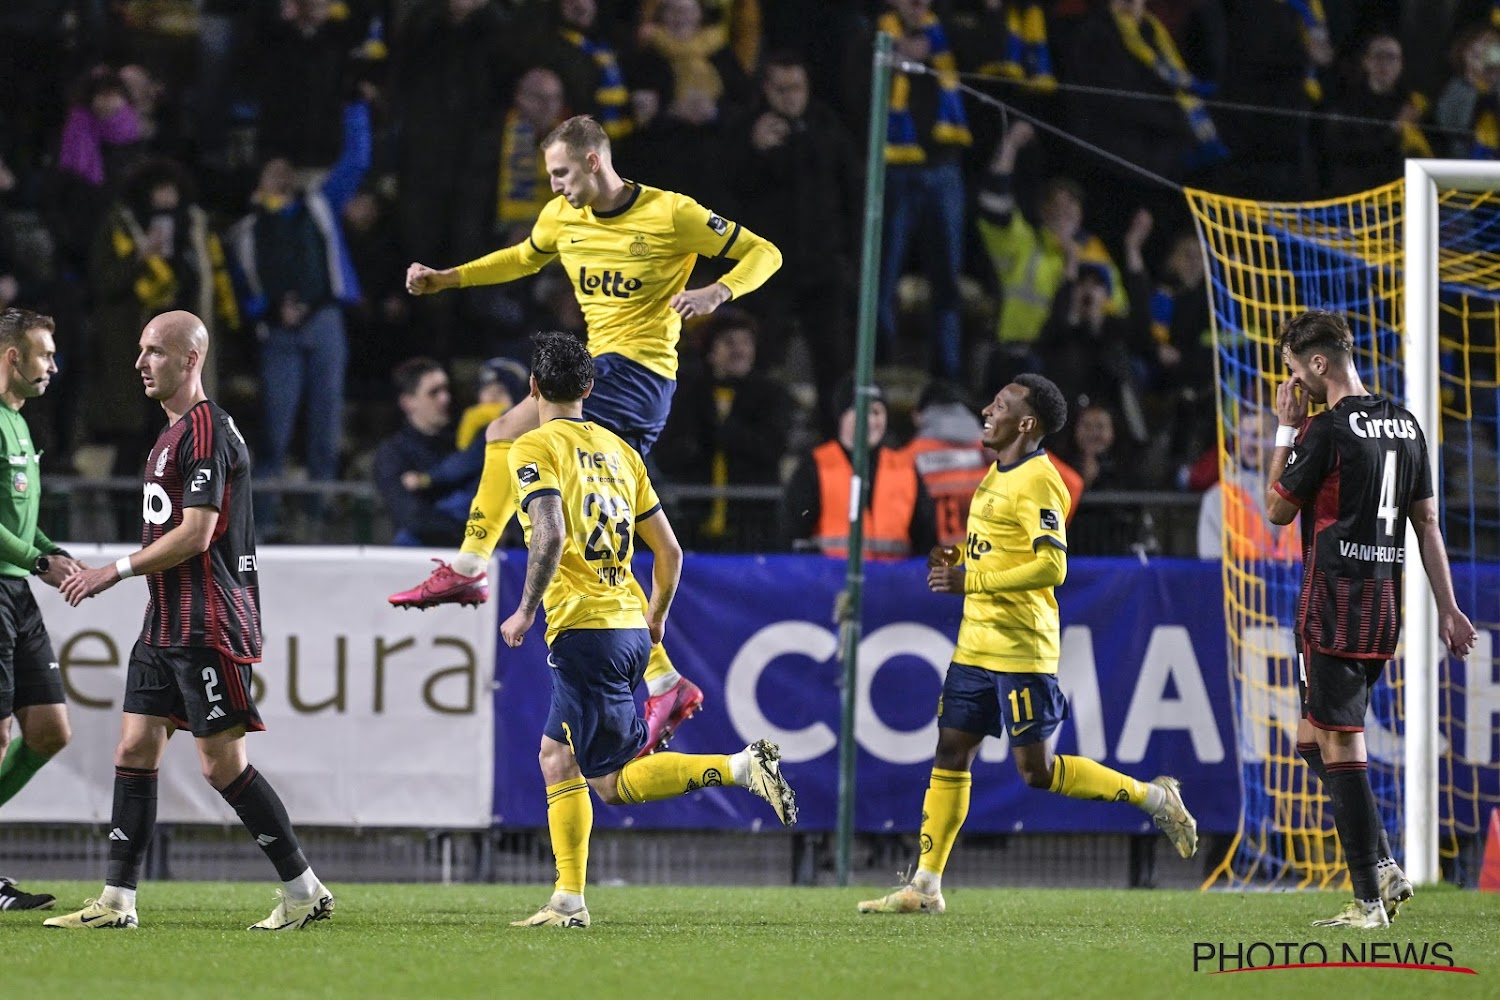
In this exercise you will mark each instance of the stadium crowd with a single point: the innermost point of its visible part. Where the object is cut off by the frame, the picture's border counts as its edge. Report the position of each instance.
(273, 165)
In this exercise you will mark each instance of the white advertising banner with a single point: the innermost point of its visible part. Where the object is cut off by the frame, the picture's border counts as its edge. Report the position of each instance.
(374, 716)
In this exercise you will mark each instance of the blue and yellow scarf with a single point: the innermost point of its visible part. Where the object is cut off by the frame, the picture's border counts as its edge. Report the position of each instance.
(612, 98)
(1149, 41)
(1027, 57)
(1313, 22)
(952, 125)
(522, 182)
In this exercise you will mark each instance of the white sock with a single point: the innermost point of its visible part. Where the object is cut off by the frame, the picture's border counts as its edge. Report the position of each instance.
(303, 888)
(664, 683)
(468, 564)
(927, 883)
(1156, 797)
(118, 898)
(739, 768)
(1386, 863)
(566, 902)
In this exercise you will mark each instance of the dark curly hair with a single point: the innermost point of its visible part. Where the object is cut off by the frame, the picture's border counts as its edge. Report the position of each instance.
(1046, 401)
(1317, 330)
(562, 366)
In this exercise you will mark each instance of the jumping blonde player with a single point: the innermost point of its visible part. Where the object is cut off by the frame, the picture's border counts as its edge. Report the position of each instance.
(1003, 678)
(628, 250)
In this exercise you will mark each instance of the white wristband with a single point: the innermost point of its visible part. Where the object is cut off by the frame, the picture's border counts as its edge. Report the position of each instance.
(1286, 437)
(122, 566)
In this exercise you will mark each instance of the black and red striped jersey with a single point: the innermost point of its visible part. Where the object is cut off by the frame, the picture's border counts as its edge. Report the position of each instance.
(1355, 472)
(213, 599)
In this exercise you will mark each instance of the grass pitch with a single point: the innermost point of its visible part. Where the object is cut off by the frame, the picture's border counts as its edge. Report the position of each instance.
(708, 943)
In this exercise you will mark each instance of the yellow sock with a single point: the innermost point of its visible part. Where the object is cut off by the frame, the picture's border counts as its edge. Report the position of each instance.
(570, 818)
(1081, 778)
(668, 775)
(494, 502)
(943, 811)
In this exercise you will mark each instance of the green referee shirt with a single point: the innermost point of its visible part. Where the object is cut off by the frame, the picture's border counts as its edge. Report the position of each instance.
(21, 541)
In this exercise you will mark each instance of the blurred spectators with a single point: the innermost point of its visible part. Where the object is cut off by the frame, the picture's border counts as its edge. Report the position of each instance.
(728, 427)
(1032, 263)
(1356, 156)
(590, 69)
(403, 461)
(1088, 448)
(380, 322)
(899, 515)
(294, 263)
(796, 169)
(1090, 354)
(100, 140)
(503, 382)
(155, 252)
(450, 77)
(1466, 108)
(303, 52)
(1238, 504)
(948, 457)
(927, 131)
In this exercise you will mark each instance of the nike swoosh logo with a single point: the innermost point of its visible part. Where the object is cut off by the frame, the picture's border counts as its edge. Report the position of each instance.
(89, 920)
(579, 239)
(1018, 730)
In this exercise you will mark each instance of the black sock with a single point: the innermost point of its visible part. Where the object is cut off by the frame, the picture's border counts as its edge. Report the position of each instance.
(132, 822)
(1313, 754)
(1357, 820)
(261, 811)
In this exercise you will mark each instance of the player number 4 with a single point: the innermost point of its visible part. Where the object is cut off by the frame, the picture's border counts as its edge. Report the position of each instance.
(1386, 510)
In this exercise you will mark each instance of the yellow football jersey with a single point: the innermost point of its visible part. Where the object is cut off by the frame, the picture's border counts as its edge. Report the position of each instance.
(605, 491)
(626, 265)
(1016, 508)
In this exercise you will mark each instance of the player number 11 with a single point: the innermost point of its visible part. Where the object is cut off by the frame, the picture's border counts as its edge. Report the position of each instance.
(1015, 704)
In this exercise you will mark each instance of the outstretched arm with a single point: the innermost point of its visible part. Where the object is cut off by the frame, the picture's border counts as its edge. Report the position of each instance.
(545, 552)
(190, 538)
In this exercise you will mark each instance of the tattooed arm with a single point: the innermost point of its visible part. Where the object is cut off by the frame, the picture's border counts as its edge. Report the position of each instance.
(546, 547)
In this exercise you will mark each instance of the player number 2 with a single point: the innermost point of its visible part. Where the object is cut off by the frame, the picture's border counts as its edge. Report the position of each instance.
(1386, 509)
(211, 684)
(1015, 704)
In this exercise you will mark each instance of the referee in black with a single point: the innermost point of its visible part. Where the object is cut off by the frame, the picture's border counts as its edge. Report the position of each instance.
(1356, 471)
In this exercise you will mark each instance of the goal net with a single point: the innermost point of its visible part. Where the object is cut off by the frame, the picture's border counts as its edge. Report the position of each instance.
(1415, 267)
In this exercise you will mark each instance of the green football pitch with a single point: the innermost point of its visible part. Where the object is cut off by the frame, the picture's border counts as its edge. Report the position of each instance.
(453, 941)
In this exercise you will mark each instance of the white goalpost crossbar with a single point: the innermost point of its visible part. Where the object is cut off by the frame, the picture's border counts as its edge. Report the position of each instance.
(1423, 742)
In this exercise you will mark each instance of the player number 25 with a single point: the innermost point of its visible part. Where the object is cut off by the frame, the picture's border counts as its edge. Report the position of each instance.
(611, 514)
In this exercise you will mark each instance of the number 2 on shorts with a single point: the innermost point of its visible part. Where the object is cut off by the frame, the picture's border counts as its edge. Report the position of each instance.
(211, 684)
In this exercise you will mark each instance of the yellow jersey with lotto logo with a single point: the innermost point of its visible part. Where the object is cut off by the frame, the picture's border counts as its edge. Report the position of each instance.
(604, 490)
(627, 264)
(1016, 509)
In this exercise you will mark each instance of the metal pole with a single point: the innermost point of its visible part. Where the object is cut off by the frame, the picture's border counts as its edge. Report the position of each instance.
(851, 606)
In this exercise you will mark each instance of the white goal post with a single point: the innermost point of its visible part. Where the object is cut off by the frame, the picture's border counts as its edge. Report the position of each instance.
(1421, 300)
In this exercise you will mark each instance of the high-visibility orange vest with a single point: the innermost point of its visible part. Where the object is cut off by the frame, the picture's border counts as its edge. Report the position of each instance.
(951, 474)
(1250, 535)
(887, 519)
(1072, 480)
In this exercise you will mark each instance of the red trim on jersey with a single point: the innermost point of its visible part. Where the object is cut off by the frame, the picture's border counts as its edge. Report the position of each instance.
(203, 432)
(1286, 494)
